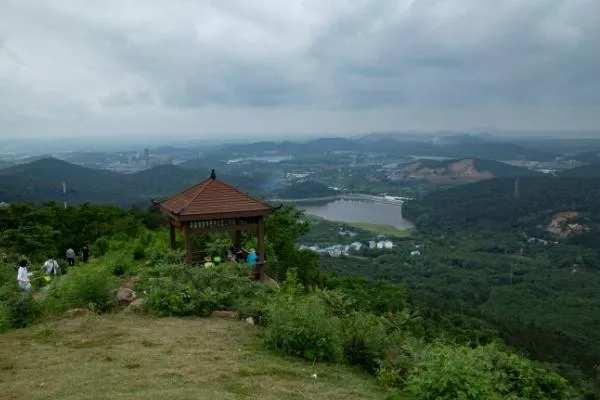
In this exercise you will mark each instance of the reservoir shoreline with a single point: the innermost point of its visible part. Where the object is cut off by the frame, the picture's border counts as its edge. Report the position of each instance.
(364, 197)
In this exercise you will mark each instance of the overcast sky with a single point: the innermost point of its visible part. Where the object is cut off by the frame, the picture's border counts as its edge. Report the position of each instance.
(183, 67)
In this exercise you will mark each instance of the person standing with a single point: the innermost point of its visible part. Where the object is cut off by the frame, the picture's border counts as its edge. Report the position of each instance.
(85, 254)
(51, 266)
(251, 260)
(70, 257)
(23, 276)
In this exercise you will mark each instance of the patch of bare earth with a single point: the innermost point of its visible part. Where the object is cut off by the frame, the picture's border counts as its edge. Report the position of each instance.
(559, 225)
(136, 357)
(459, 171)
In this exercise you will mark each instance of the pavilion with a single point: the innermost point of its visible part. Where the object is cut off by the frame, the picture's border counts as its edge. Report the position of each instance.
(215, 206)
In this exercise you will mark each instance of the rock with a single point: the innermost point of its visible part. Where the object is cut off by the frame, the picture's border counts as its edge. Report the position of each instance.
(250, 320)
(225, 314)
(135, 305)
(124, 297)
(76, 312)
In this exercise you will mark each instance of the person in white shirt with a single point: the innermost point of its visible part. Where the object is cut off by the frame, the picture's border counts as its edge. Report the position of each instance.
(23, 276)
(51, 266)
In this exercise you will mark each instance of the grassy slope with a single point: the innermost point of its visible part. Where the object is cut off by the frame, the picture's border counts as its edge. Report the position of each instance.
(134, 357)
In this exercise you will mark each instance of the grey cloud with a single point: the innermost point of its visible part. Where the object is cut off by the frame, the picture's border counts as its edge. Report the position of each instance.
(444, 62)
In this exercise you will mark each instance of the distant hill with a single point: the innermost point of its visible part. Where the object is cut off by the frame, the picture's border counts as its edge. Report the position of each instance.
(493, 205)
(41, 181)
(5, 164)
(457, 146)
(585, 171)
(305, 190)
(464, 170)
(588, 157)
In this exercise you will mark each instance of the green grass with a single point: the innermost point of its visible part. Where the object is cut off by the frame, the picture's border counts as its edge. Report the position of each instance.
(387, 230)
(136, 357)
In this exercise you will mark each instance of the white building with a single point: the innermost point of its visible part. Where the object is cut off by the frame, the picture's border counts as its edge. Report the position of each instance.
(415, 253)
(356, 246)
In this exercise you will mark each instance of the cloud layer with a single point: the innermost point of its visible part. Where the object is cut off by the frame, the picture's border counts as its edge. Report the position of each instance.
(271, 66)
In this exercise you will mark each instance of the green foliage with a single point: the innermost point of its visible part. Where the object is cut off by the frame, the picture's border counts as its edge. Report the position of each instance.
(303, 327)
(18, 309)
(460, 372)
(101, 246)
(305, 190)
(139, 252)
(83, 287)
(178, 290)
(365, 339)
(449, 373)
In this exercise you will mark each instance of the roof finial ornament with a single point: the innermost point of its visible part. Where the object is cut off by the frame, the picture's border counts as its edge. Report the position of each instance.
(213, 176)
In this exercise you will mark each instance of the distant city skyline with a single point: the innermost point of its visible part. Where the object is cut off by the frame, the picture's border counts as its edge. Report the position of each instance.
(234, 69)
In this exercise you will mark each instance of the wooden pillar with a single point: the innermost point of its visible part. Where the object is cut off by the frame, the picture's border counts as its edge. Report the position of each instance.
(261, 248)
(187, 234)
(238, 239)
(172, 235)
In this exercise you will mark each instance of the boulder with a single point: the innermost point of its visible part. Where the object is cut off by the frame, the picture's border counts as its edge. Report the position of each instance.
(135, 305)
(124, 297)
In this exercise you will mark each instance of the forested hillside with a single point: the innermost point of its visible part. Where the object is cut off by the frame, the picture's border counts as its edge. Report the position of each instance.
(524, 255)
(305, 190)
(41, 181)
(585, 171)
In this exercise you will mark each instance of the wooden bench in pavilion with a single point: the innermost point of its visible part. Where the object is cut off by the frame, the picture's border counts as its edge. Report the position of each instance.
(215, 206)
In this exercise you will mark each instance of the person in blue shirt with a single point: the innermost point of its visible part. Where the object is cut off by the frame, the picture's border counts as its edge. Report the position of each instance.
(252, 258)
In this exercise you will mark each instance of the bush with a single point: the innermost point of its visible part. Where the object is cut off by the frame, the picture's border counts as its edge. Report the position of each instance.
(179, 290)
(485, 372)
(450, 373)
(139, 252)
(18, 309)
(101, 246)
(521, 378)
(90, 287)
(365, 340)
(302, 327)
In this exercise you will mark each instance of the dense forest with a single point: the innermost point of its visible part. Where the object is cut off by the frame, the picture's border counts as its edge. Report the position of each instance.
(585, 171)
(491, 252)
(305, 190)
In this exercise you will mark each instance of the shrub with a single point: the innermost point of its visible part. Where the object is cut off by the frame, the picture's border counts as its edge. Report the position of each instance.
(18, 309)
(302, 327)
(139, 252)
(181, 290)
(89, 287)
(365, 340)
(484, 372)
(101, 246)
(450, 373)
(521, 378)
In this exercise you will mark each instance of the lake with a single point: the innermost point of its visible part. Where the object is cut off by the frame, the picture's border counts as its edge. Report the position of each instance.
(363, 211)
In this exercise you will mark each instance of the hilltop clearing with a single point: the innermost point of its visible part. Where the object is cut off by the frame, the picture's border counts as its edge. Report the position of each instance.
(134, 357)
(466, 170)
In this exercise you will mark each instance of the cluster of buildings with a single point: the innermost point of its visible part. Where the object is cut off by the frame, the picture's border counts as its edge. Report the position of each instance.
(338, 250)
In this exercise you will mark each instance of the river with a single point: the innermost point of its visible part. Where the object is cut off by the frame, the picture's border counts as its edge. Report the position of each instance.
(362, 211)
